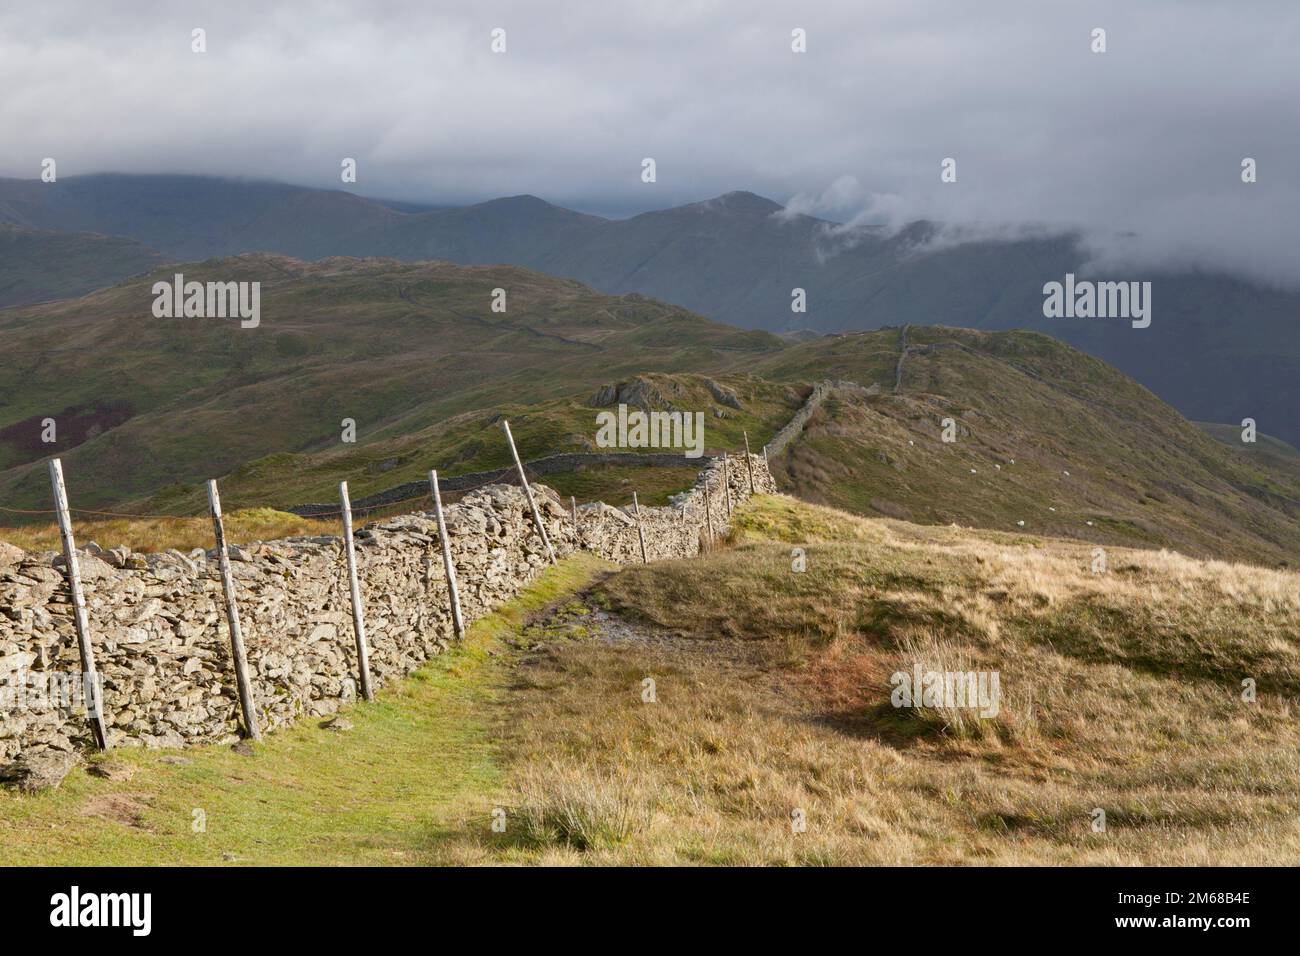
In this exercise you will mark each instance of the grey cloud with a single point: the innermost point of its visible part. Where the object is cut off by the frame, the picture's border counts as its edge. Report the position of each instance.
(1138, 148)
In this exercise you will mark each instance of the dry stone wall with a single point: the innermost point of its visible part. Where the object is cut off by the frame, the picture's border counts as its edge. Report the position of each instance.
(821, 391)
(159, 629)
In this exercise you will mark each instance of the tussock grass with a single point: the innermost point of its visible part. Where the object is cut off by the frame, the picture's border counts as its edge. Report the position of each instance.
(580, 807)
(1120, 691)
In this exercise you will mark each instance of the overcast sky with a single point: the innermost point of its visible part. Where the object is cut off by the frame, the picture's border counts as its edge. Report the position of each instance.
(1146, 139)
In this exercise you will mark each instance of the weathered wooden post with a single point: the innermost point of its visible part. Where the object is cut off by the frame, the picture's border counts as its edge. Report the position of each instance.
(640, 532)
(528, 492)
(89, 676)
(577, 529)
(354, 588)
(708, 511)
(457, 622)
(246, 702)
(749, 463)
(726, 483)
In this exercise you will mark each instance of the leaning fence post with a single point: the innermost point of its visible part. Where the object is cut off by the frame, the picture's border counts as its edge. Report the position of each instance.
(577, 531)
(89, 676)
(358, 612)
(726, 483)
(246, 704)
(528, 492)
(457, 622)
(640, 532)
(749, 463)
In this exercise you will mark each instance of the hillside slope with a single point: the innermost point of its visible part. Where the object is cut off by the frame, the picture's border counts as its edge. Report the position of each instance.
(147, 408)
(473, 443)
(37, 266)
(161, 211)
(1043, 435)
(145, 402)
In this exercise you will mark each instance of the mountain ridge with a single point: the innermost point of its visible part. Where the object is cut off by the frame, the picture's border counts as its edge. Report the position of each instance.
(1220, 348)
(415, 355)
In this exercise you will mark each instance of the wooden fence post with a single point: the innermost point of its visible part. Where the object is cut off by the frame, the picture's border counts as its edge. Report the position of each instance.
(640, 532)
(457, 622)
(749, 463)
(577, 529)
(89, 676)
(708, 511)
(528, 492)
(246, 704)
(354, 587)
(726, 483)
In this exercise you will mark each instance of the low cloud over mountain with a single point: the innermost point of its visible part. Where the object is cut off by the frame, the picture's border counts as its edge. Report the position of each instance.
(1146, 138)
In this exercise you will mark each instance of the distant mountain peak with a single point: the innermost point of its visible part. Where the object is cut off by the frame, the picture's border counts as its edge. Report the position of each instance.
(522, 201)
(527, 206)
(740, 201)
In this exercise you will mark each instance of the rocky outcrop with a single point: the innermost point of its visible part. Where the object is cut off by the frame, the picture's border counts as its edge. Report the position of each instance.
(723, 395)
(640, 392)
(160, 635)
(39, 769)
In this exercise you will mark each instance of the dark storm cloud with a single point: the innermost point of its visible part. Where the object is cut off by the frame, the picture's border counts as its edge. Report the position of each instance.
(1140, 147)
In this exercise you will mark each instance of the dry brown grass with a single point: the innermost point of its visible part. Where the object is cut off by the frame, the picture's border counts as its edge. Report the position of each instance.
(160, 534)
(1120, 691)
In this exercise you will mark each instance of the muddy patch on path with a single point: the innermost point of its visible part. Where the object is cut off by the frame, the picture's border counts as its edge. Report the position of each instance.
(120, 808)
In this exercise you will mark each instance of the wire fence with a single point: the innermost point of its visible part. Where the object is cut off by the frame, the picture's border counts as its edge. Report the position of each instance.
(714, 503)
(266, 706)
(497, 478)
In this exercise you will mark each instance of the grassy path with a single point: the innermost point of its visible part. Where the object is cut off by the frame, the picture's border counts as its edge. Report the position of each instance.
(418, 769)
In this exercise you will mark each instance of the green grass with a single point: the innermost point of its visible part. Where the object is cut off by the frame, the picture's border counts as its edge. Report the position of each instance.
(614, 484)
(1266, 450)
(422, 763)
(401, 349)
